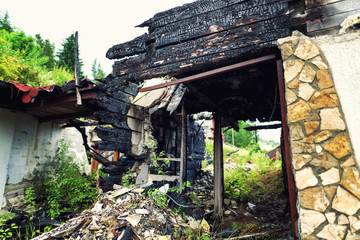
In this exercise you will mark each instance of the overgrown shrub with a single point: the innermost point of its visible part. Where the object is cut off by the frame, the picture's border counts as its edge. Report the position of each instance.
(65, 186)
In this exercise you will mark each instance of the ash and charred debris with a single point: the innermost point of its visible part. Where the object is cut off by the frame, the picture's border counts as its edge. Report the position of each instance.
(130, 213)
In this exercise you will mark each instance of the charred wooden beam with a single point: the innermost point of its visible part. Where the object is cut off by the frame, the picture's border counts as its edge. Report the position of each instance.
(262, 127)
(217, 47)
(130, 48)
(87, 114)
(115, 119)
(211, 72)
(114, 134)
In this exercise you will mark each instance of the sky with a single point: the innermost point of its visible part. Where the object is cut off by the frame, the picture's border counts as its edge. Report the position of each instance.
(100, 24)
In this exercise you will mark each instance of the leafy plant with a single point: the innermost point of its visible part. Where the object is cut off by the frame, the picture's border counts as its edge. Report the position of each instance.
(30, 200)
(127, 179)
(66, 187)
(158, 197)
(6, 233)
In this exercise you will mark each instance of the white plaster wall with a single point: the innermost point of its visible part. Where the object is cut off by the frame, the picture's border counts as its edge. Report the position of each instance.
(76, 148)
(23, 144)
(7, 126)
(343, 55)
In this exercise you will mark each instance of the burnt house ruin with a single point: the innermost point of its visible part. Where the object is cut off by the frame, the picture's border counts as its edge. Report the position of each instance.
(267, 60)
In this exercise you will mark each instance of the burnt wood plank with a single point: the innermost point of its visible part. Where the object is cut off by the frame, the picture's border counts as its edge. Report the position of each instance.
(196, 8)
(329, 22)
(121, 86)
(112, 105)
(198, 64)
(197, 25)
(113, 134)
(129, 48)
(317, 3)
(115, 119)
(114, 146)
(217, 21)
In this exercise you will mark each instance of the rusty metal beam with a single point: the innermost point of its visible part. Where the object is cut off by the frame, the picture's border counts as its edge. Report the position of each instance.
(290, 176)
(211, 72)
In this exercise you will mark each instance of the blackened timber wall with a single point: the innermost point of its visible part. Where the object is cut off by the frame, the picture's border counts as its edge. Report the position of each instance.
(198, 35)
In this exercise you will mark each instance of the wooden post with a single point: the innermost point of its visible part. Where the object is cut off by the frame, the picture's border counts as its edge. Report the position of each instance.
(218, 168)
(286, 154)
(77, 69)
(183, 146)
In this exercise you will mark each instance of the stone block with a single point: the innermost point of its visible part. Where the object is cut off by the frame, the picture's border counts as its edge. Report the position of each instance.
(331, 119)
(322, 136)
(339, 147)
(305, 178)
(296, 132)
(311, 127)
(307, 74)
(354, 223)
(332, 232)
(305, 91)
(323, 79)
(325, 160)
(319, 62)
(330, 191)
(310, 220)
(351, 180)
(343, 220)
(292, 40)
(293, 84)
(315, 117)
(292, 68)
(325, 98)
(286, 51)
(330, 176)
(314, 198)
(300, 160)
(330, 216)
(298, 111)
(306, 49)
(348, 163)
(290, 97)
(345, 202)
(300, 147)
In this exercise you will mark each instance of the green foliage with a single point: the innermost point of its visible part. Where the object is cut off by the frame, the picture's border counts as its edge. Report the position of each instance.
(5, 23)
(242, 138)
(66, 55)
(48, 51)
(254, 176)
(127, 179)
(158, 197)
(7, 233)
(65, 187)
(30, 200)
(97, 71)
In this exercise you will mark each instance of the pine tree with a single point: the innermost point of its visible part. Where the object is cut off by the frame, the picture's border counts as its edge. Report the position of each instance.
(48, 50)
(5, 23)
(67, 55)
(97, 71)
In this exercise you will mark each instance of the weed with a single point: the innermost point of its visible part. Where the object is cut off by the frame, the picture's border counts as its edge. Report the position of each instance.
(158, 197)
(65, 187)
(127, 179)
(7, 233)
(30, 200)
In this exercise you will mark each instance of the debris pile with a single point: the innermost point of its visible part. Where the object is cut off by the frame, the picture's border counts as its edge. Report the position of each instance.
(136, 213)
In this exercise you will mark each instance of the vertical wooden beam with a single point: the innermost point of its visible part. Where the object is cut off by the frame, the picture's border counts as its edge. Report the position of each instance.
(290, 176)
(183, 145)
(77, 69)
(218, 168)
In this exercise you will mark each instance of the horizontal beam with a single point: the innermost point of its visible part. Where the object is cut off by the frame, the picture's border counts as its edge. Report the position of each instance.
(211, 72)
(263, 127)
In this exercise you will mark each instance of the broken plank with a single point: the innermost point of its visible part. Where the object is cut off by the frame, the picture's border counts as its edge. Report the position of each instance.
(129, 48)
(156, 177)
(113, 105)
(218, 44)
(115, 119)
(218, 21)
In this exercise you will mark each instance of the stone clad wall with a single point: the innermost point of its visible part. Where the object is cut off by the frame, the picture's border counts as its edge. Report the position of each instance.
(324, 167)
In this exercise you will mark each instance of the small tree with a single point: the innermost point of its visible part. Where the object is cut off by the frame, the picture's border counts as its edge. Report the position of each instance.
(67, 55)
(97, 71)
(48, 50)
(5, 23)
(242, 138)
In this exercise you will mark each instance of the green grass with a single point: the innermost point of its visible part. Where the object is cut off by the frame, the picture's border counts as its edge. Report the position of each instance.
(249, 176)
